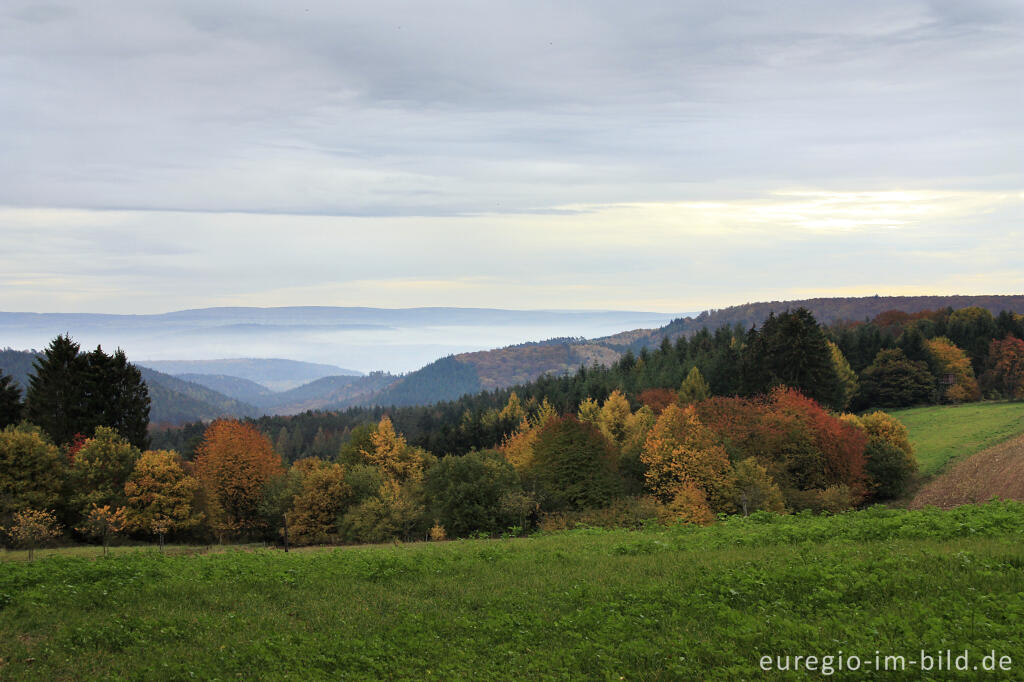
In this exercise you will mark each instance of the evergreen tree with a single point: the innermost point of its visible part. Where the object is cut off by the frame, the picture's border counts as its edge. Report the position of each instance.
(56, 397)
(10, 401)
(74, 393)
(793, 351)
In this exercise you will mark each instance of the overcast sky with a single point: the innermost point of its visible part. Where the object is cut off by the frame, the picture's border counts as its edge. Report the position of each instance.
(666, 156)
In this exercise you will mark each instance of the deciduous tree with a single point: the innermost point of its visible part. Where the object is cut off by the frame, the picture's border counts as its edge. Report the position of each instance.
(31, 470)
(161, 496)
(234, 463)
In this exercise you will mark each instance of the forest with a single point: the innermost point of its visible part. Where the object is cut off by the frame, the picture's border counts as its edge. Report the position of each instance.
(781, 417)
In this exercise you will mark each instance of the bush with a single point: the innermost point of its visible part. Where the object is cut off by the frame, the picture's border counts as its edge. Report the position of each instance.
(464, 493)
(889, 468)
(626, 512)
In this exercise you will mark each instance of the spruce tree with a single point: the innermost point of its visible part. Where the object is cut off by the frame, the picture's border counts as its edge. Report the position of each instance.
(56, 398)
(10, 401)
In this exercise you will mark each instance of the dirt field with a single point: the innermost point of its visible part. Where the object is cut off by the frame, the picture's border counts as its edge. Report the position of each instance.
(995, 472)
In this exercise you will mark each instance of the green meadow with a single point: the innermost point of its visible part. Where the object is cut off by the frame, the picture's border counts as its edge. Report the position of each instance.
(660, 603)
(944, 433)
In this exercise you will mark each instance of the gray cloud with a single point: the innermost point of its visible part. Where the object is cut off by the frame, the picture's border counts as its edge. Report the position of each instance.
(487, 144)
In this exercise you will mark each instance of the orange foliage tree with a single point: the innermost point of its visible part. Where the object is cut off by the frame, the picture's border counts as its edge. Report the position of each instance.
(680, 451)
(233, 463)
(103, 523)
(1006, 358)
(324, 495)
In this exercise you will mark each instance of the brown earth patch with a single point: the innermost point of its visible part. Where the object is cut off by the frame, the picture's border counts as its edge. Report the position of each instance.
(995, 472)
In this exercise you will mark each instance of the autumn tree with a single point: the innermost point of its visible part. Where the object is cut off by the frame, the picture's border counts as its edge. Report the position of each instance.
(160, 496)
(322, 497)
(694, 389)
(1005, 373)
(615, 414)
(890, 463)
(31, 470)
(32, 528)
(848, 383)
(103, 523)
(755, 490)
(393, 456)
(951, 362)
(100, 469)
(234, 462)
(681, 451)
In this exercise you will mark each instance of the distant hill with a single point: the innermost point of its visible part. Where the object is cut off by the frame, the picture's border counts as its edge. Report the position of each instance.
(275, 374)
(176, 401)
(231, 386)
(826, 310)
(173, 400)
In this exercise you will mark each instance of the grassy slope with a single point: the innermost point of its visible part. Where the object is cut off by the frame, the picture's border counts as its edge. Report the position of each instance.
(945, 433)
(679, 603)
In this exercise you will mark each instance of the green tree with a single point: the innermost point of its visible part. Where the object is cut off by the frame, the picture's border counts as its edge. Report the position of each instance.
(694, 389)
(10, 401)
(894, 381)
(31, 470)
(465, 493)
(792, 351)
(276, 501)
(100, 469)
(573, 466)
(56, 393)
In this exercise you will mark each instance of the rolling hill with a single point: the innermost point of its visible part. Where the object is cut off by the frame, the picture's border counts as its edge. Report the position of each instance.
(172, 400)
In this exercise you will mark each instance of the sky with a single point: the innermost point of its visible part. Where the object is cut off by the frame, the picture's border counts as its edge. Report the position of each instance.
(662, 156)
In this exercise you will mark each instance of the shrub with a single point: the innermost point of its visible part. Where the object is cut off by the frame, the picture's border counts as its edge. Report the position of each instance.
(32, 528)
(465, 493)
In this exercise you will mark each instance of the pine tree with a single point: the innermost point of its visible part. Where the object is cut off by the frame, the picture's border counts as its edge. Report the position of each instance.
(56, 399)
(10, 401)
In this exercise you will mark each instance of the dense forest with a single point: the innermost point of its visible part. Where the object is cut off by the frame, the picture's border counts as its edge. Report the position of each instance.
(779, 417)
(925, 348)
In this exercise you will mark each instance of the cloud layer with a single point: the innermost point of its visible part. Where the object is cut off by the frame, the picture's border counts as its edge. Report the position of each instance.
(530, 154)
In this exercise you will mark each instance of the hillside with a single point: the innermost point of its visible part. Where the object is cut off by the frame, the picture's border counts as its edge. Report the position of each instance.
(231, 386)
(825, 310)
(172, 400)
(678, 603)
(276, 374)
(995, 472)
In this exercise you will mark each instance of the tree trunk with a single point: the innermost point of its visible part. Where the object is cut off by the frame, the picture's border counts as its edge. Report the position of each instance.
(285, 535)
(161, 543)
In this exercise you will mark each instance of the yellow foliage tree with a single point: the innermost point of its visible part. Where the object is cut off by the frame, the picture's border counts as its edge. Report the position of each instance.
(680, 450)
(323, 496)
(513, 410)
(755, 489)
(948, 359)
(161, 495)
(694, 388)
(590, 412)
(690, 505)
(31, 528)
(397, 460)
(104, 523)
(615, 414)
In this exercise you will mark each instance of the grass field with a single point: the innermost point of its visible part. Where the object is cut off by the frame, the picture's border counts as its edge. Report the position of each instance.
(662, 603)
(945, 433)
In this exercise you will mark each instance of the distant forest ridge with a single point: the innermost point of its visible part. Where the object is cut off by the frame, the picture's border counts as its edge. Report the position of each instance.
(826, 310)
